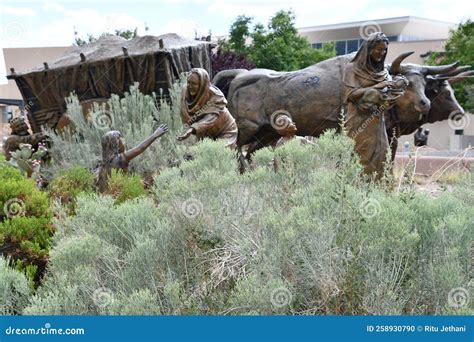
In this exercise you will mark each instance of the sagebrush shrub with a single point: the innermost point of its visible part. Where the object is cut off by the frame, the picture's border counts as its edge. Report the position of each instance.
(302, 233)
(136, 116)
(14, 289)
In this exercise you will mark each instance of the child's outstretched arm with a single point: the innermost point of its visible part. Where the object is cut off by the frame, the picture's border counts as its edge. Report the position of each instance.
(136, 151)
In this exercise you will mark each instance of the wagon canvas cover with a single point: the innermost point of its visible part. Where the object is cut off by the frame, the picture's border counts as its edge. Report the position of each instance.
(108, 66)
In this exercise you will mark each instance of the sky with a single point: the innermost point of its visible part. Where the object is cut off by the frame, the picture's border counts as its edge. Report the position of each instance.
(31, 23)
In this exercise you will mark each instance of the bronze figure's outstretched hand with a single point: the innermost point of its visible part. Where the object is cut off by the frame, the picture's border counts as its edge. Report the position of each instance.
(161, 130)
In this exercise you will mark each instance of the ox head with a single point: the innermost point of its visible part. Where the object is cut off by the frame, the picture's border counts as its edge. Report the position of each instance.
(438, 89)
(414, 104)
(429, 85)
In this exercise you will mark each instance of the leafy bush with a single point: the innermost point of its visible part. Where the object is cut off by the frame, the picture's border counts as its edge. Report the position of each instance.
(303, 233)
(25, 227)
(69, 183)
(14, 289)
(8, 173)
(113, 253)
(124, 187)
(16, 188)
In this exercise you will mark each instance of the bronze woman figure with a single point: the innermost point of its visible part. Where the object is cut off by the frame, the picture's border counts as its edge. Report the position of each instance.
(204, 111)
(369, 92)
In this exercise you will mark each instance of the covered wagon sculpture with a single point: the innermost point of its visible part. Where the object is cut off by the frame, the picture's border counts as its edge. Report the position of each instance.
(107, 66)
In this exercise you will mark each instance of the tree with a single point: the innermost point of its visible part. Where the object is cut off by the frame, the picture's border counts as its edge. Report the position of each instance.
(459, 47)
(127, 34)
(239, 33)
(279, 47)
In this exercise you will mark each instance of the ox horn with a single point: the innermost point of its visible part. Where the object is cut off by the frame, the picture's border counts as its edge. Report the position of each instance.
(458, 78)
(457, 71)
(395, 67)
(439, 70)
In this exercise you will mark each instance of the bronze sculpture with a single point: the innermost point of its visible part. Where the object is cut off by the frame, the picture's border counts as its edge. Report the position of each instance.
(316, 101)
(421, 137)
(369, 91)
(288, 132)
(204, 110)
(114, 155)
(20, 135)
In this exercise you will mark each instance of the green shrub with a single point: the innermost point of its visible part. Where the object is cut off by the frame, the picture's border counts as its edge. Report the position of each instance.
(117, 251)
(69, 183)
(15, 188)
(25, 223)
(33, 231)
(124, 187)
(303, 233)
(8, 173)
(26, 240)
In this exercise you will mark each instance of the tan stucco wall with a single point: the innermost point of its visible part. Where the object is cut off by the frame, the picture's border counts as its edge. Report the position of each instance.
(24, 59)
(440, 134)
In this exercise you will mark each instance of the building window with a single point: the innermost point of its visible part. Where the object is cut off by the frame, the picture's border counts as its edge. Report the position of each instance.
(341, 47)
(392, 38)
(404, 38)
(4, 115)
(352, 45)
(317, 45)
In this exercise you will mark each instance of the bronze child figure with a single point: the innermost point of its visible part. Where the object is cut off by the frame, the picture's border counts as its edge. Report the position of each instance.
(114, 155)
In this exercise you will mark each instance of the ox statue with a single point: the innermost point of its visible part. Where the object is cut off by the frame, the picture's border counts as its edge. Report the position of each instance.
(313, 98)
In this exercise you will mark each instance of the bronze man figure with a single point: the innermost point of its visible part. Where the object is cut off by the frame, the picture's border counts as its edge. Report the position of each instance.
(20, 135)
